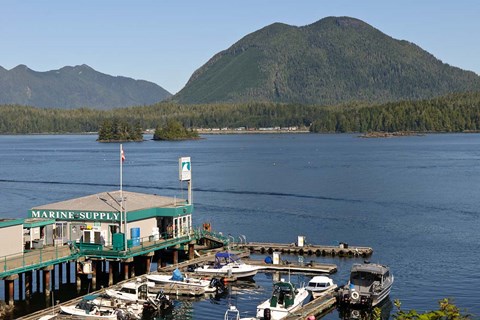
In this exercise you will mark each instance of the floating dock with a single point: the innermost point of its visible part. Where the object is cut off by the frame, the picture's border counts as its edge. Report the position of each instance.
(317, 307)
(342, 250)
(310, 268)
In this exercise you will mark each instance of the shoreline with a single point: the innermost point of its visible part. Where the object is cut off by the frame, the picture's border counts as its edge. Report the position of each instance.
(206, 131)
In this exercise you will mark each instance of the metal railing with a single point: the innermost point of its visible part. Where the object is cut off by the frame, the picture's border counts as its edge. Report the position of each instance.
(34, 259)
(43, 257)
(146, 244)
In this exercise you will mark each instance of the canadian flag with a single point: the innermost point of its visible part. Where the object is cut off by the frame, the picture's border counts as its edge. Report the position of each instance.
(122, 155)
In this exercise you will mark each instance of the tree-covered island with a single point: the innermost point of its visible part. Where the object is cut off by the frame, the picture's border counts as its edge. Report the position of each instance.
(119, 131)
(174, 131)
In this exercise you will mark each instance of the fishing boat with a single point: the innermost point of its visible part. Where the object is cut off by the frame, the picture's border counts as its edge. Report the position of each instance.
(89, 308)
(369, 284)
(320, 284)
(228, 265)
(178, 280)
(285, 300)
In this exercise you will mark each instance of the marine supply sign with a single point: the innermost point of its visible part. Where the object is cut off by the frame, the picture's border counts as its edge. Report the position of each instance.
(75, 215)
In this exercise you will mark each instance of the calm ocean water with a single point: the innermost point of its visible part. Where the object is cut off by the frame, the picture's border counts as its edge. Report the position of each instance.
(415, 200)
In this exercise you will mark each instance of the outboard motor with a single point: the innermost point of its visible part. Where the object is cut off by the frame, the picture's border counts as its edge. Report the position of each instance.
(267, 314)
(192, 267)
(163, 301)
(218, 284)
(120, 314)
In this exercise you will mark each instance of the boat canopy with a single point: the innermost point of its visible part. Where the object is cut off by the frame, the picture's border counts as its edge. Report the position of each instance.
(225, 257)
(370, 268)
(90, 297)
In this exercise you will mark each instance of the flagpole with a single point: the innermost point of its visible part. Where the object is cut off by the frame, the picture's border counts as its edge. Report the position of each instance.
(121, 190)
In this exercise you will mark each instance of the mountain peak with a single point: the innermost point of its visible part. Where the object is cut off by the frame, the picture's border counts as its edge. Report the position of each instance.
(20, 67)
(334, 60)
(341, 21)
(75, 87)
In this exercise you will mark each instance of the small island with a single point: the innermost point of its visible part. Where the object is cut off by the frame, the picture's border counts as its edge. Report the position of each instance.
(384, 134)
(119, 131)
(174, 131)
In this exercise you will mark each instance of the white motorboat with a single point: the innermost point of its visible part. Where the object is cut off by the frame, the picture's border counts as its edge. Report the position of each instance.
(319, 284)
(180, 281)
(228, 265)
(285, 300)
(88, 308)
(136, 291)
(370, 284)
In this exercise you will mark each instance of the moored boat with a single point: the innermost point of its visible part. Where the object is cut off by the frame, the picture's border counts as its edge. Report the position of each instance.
(369, 284)
(285, 299)
(178, 280)
(228, 265)
(319, 284)
(136, 291)
(88, 308)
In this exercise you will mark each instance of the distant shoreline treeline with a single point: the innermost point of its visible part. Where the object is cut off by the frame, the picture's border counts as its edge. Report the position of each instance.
(452, 113)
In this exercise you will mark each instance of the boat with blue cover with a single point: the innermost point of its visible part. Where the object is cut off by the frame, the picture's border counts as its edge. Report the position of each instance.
(177, 279)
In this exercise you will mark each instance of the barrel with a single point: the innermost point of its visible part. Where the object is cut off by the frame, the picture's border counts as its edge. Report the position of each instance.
(134, 233)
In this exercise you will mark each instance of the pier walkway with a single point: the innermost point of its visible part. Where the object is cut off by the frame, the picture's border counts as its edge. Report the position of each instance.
(35, 259)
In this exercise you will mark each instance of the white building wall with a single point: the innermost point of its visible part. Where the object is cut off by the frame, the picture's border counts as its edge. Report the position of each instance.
(145, 226)
(12, 240)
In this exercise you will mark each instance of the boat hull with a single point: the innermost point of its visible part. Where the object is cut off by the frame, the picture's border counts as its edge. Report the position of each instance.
(71, 310)
(196, 284)
(364, 299)
(239, 273)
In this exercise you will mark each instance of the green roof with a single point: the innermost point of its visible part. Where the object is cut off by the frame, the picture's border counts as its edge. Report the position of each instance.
(10, 222)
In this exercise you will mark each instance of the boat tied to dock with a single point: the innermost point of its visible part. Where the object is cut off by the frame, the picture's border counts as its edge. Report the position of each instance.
(369, 284)
(228, 265)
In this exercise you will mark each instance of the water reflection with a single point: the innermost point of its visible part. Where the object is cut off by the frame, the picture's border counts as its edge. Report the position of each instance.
(383, 310)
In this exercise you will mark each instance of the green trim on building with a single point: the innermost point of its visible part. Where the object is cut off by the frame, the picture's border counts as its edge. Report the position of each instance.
(159, 212)
(38, 223)
(10, 222)
(111, 216)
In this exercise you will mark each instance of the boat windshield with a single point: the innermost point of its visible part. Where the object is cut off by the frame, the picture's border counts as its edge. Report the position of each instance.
(364, 278)
(223, 258)
(128, 290)
(318, 284)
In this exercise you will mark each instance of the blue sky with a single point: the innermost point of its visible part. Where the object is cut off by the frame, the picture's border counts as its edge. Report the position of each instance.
(166, 41)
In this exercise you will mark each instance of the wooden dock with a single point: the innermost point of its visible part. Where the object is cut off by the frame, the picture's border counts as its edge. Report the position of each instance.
(317, 307)
(342, 250)
(310, 268)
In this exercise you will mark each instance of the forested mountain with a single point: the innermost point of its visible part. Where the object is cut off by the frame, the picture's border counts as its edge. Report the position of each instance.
(335, 60)
(75, 87)
(452, 113)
